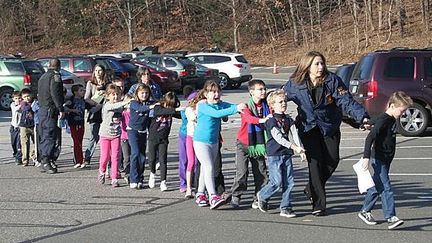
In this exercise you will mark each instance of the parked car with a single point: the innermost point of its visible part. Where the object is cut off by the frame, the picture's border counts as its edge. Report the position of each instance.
(185, 68)
(204, 73)
(16, 74)
(168, 80)
(233, 68)
(69, 79)
(81, 66)
(379, 74)
(345, 72)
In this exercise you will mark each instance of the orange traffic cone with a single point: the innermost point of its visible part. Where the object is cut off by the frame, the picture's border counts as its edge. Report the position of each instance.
(275, 68)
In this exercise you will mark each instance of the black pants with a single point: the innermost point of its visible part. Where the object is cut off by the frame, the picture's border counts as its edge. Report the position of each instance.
(16, 143)
(323, 158)
(259, 170)
(125, 156)
(158, 150)
(48, 135)
(219, 178)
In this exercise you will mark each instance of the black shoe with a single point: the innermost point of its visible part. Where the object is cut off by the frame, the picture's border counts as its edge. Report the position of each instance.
(319, 213)
(48, 168)
(308, 195)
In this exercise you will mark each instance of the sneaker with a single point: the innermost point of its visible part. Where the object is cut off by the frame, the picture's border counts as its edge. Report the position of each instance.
(133, 185)
(76, 166)
(163, 186)
(49, 169)
(126, 179)
(183, 189)
(140, 185)
(152, 180)
(255, 204)
(201, 200)
(53, 164)
(287, 212)
(157, 166)
(87, 162)
(83, 165)
(216, 202)
(115, 183)
(262, 206)
(18, 162)
(367, 218)
(37, 163)
(101, 178)
(235, 202)
(319, 213)
(25, 163)
(394, 222)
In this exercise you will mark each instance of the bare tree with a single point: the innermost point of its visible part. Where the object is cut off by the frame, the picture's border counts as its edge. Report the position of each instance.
(294, 22)
(425, 14)
(401, 16)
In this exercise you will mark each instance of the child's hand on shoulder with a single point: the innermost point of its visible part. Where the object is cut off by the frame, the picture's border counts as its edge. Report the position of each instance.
(297, 149)
(264, 119)
(303, 156)
(241, 107)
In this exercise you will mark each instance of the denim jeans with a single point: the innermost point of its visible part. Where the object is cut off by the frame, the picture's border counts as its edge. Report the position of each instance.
(137, 142)
(93, 140)
(382, 187)
(280, 170)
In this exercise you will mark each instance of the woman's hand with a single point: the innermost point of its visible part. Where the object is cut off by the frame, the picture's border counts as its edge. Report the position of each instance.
(365, 163)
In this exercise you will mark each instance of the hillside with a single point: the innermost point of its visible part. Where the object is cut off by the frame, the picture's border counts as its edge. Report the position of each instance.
(334, 37)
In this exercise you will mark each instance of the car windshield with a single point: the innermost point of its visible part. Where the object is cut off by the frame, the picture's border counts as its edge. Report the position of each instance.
(363, 69)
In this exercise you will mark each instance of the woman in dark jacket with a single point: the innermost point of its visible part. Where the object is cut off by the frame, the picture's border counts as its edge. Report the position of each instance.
(320, 96)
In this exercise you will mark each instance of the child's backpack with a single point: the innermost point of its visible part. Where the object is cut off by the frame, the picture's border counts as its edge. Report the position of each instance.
(27, 116)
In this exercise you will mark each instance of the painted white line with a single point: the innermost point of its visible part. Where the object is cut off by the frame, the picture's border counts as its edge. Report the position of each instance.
(410, 174)
(399, 138)
(430, 158)
(422, 197)
(398, 147)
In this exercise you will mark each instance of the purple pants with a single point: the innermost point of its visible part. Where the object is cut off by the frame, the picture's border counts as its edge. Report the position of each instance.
(182, 160)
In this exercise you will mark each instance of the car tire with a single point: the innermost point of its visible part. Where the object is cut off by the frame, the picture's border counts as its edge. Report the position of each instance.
(187, 89)
(414, 121)
(224, 81)
(5, 98)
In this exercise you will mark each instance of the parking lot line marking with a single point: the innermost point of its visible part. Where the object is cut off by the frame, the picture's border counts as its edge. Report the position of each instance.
(422, 197)
(429, 158)
(411, 174)
(399, 139)
(398, 147)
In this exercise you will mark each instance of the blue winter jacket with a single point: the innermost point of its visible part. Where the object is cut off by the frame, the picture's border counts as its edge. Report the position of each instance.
(327, 113)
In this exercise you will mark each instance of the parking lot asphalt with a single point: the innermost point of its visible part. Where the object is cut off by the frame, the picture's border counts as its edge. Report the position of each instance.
(71, 207)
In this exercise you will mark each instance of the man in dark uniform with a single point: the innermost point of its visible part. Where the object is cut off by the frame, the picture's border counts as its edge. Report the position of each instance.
(51, 99)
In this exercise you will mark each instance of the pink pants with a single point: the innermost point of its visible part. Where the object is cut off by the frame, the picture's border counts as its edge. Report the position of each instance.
(109, 150)
(190, 154)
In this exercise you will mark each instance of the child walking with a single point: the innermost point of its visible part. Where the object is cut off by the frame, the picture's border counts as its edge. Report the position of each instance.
(382, 138)
(110, 134)
(279, 155)
(137, 133)
(160, 127)
(14, 128)
(26, 125)
(206, 140)
(250, 144)
(75, 116)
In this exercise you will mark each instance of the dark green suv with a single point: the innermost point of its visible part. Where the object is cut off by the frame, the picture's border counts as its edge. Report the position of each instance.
(16, 74)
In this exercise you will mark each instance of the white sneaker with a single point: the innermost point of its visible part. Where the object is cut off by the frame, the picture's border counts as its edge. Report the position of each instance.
(133, 185)
(163, 186)
(151, 180)
(76, 166)
(83, 165)
(157, 166)
(140, 185)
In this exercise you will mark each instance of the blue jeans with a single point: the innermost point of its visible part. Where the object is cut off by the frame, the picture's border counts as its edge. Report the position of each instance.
(137, 142)
(382, 187)
(280, 170)
(93, 140)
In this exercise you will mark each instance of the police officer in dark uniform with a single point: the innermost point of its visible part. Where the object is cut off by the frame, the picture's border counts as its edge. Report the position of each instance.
(320, 96)
(51, 99)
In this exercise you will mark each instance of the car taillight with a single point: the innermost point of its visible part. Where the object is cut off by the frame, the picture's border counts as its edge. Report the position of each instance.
(68, 81)
(124, 75)
(208, 73)
(238, 65)
(27, 80)
(372, 90)
(183, 73)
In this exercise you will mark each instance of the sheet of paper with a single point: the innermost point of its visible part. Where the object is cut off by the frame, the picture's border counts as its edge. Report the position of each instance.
(364, 177)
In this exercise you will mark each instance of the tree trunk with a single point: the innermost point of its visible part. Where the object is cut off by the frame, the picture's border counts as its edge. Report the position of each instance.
(425, 14)
(294, 22)
(311, 21)
(389, 22)
(340, 42)
(380, 15)
(129, 24)
(234, 25)
(401, 16)
(318, 12)
(356, 24)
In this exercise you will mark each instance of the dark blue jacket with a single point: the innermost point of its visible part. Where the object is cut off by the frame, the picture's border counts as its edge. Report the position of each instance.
(139, 115)
(326, 114)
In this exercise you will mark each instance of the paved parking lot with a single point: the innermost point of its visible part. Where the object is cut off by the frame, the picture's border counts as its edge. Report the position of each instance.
(71, 207)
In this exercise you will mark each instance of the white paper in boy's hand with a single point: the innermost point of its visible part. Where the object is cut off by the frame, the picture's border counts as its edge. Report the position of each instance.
(364, 177)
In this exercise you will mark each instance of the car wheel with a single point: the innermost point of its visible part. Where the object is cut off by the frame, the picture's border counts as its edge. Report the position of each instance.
(5, 98)
(413, 121)
(224, 81)
(187, 90)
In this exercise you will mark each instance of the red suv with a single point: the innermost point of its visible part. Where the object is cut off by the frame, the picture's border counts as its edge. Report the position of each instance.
(379, 74)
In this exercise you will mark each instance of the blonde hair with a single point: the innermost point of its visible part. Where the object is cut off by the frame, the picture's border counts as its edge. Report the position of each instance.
(301, 74)
(271, 99)
(112, 89)
(399, 99)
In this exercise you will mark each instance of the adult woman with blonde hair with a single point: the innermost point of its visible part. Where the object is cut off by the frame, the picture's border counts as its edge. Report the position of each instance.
(94, 97)
(320, 96)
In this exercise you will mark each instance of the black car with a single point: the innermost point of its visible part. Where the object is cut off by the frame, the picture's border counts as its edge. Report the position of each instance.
(345, 72)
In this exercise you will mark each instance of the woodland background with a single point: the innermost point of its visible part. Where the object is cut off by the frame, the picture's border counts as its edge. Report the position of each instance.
(265, 31)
